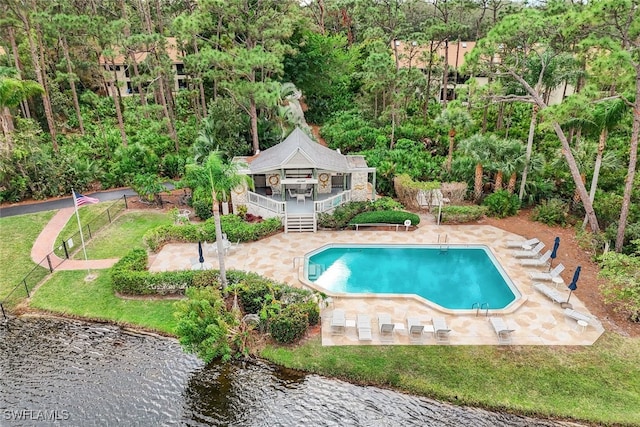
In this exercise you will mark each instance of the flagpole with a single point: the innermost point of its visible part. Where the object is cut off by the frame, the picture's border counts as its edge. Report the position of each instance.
(84, 250)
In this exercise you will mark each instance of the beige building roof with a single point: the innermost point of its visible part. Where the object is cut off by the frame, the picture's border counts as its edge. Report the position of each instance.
(412, 54)
(172, 50)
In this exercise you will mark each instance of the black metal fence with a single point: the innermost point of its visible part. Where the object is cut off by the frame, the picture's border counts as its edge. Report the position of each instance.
(67, 248)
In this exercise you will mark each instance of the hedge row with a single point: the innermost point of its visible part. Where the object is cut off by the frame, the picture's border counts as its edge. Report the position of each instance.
(342, 215)
(461, 214)
(385, 217)
(284, 311)
(235, 228)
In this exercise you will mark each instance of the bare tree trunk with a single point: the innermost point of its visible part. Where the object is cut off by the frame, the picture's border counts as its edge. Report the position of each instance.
(72, 83)
(24, 105)
(511, 186)
(445, 73)
(596, 170)
(477, 186)
(253, 115)
(115, 94)
(219, 242)
(48, 112)
(498, 183)
(203, 99)
(527, 158)
(165, 109)
(452, 138)
(631, 171)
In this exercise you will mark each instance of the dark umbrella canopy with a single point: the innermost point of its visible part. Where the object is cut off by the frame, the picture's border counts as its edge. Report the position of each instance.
(574, 282)
(200, 255)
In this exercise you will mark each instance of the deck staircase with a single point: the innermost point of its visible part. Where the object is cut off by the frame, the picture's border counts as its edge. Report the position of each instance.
(300, 223)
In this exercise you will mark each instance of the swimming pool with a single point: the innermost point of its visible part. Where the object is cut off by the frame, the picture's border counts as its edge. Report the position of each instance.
(453, 277)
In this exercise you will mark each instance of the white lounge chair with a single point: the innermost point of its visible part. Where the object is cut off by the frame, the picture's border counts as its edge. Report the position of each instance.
(576, 315)
(363, 325)
(416, 329)
(522, 244)
(440, 329)
(550, 293)
(338, 321)
(291, 193)
(501, 329)
(529, 254)
(543, 261)
(544, 275)
(385, 327)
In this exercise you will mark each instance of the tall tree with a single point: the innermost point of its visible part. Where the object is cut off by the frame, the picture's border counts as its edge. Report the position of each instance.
(251, 51)
(516, 40)
(456, 119)
(479, 148)
(219, 178)
(24, 11)
(617, 35)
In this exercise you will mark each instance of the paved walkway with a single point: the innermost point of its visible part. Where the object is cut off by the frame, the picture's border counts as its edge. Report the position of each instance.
(48, 238)
(537, 321)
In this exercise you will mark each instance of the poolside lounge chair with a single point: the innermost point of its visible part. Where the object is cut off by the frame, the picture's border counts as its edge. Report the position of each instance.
(522, 244)
(544, 275)
(338, 322)
(529, 254)
(550, 293)
(441, 330)
(501, 329)
(386, 327)
(576, 315)
(543, 261)
(415, 329)
(363, 325)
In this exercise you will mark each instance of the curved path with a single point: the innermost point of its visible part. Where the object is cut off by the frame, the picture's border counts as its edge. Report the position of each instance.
(45, 242)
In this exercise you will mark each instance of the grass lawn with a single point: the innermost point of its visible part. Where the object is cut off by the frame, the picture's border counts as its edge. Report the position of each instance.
(599, 384)
(123, 235)
(66, 292)
(18, 234)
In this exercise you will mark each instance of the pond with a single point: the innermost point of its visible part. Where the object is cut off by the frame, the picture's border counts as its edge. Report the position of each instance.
(82, 374)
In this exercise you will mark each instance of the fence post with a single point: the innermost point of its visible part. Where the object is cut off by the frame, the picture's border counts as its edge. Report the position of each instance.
(89, 231)
(3, 313)
(66, 251)
(49, 262)
(109, 216)
(26, 287)
(124, 196)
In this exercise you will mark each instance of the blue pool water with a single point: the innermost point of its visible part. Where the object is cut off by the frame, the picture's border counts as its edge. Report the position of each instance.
(455, 278)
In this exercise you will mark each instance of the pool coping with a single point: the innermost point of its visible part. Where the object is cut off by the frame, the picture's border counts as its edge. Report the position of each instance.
(520, 297)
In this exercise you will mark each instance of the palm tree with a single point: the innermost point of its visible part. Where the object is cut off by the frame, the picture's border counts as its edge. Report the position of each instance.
(456, 119)
(219, 178)
(480, 148)
(508, 160)
(606, 115)
(12, 92)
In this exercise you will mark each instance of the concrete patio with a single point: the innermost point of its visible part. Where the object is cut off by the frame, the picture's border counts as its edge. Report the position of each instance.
(537, 321)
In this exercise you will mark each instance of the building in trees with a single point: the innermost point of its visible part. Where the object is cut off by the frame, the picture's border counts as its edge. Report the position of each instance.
(124, 70)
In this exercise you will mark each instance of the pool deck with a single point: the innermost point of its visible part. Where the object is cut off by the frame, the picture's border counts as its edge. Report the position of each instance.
(537, 321)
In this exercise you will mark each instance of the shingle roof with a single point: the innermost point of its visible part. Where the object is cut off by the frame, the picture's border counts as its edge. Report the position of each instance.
(295, 150)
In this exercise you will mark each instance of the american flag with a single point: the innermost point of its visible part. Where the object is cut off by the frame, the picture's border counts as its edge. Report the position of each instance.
(84, 200)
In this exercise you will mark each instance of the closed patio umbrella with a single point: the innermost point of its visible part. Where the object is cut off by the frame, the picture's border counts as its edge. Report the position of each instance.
(554, 252)
(200, 255)
(574, 282)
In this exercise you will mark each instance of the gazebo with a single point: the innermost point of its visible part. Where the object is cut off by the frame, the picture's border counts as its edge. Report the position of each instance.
(299, 178)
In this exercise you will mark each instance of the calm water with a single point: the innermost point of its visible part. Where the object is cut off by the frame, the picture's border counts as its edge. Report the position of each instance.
(455, 279)
(93, 375)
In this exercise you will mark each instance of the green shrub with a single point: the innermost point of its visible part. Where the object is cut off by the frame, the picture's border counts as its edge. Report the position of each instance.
(289, 325)
(385, 217)
(462, 214)
(502, 204)
(234, 226)
(342, 215)
(203, 209)
(313, 312)
(551, 212)
(253, 291)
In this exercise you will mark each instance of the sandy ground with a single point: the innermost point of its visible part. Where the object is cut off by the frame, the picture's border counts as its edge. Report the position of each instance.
(571, 255)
